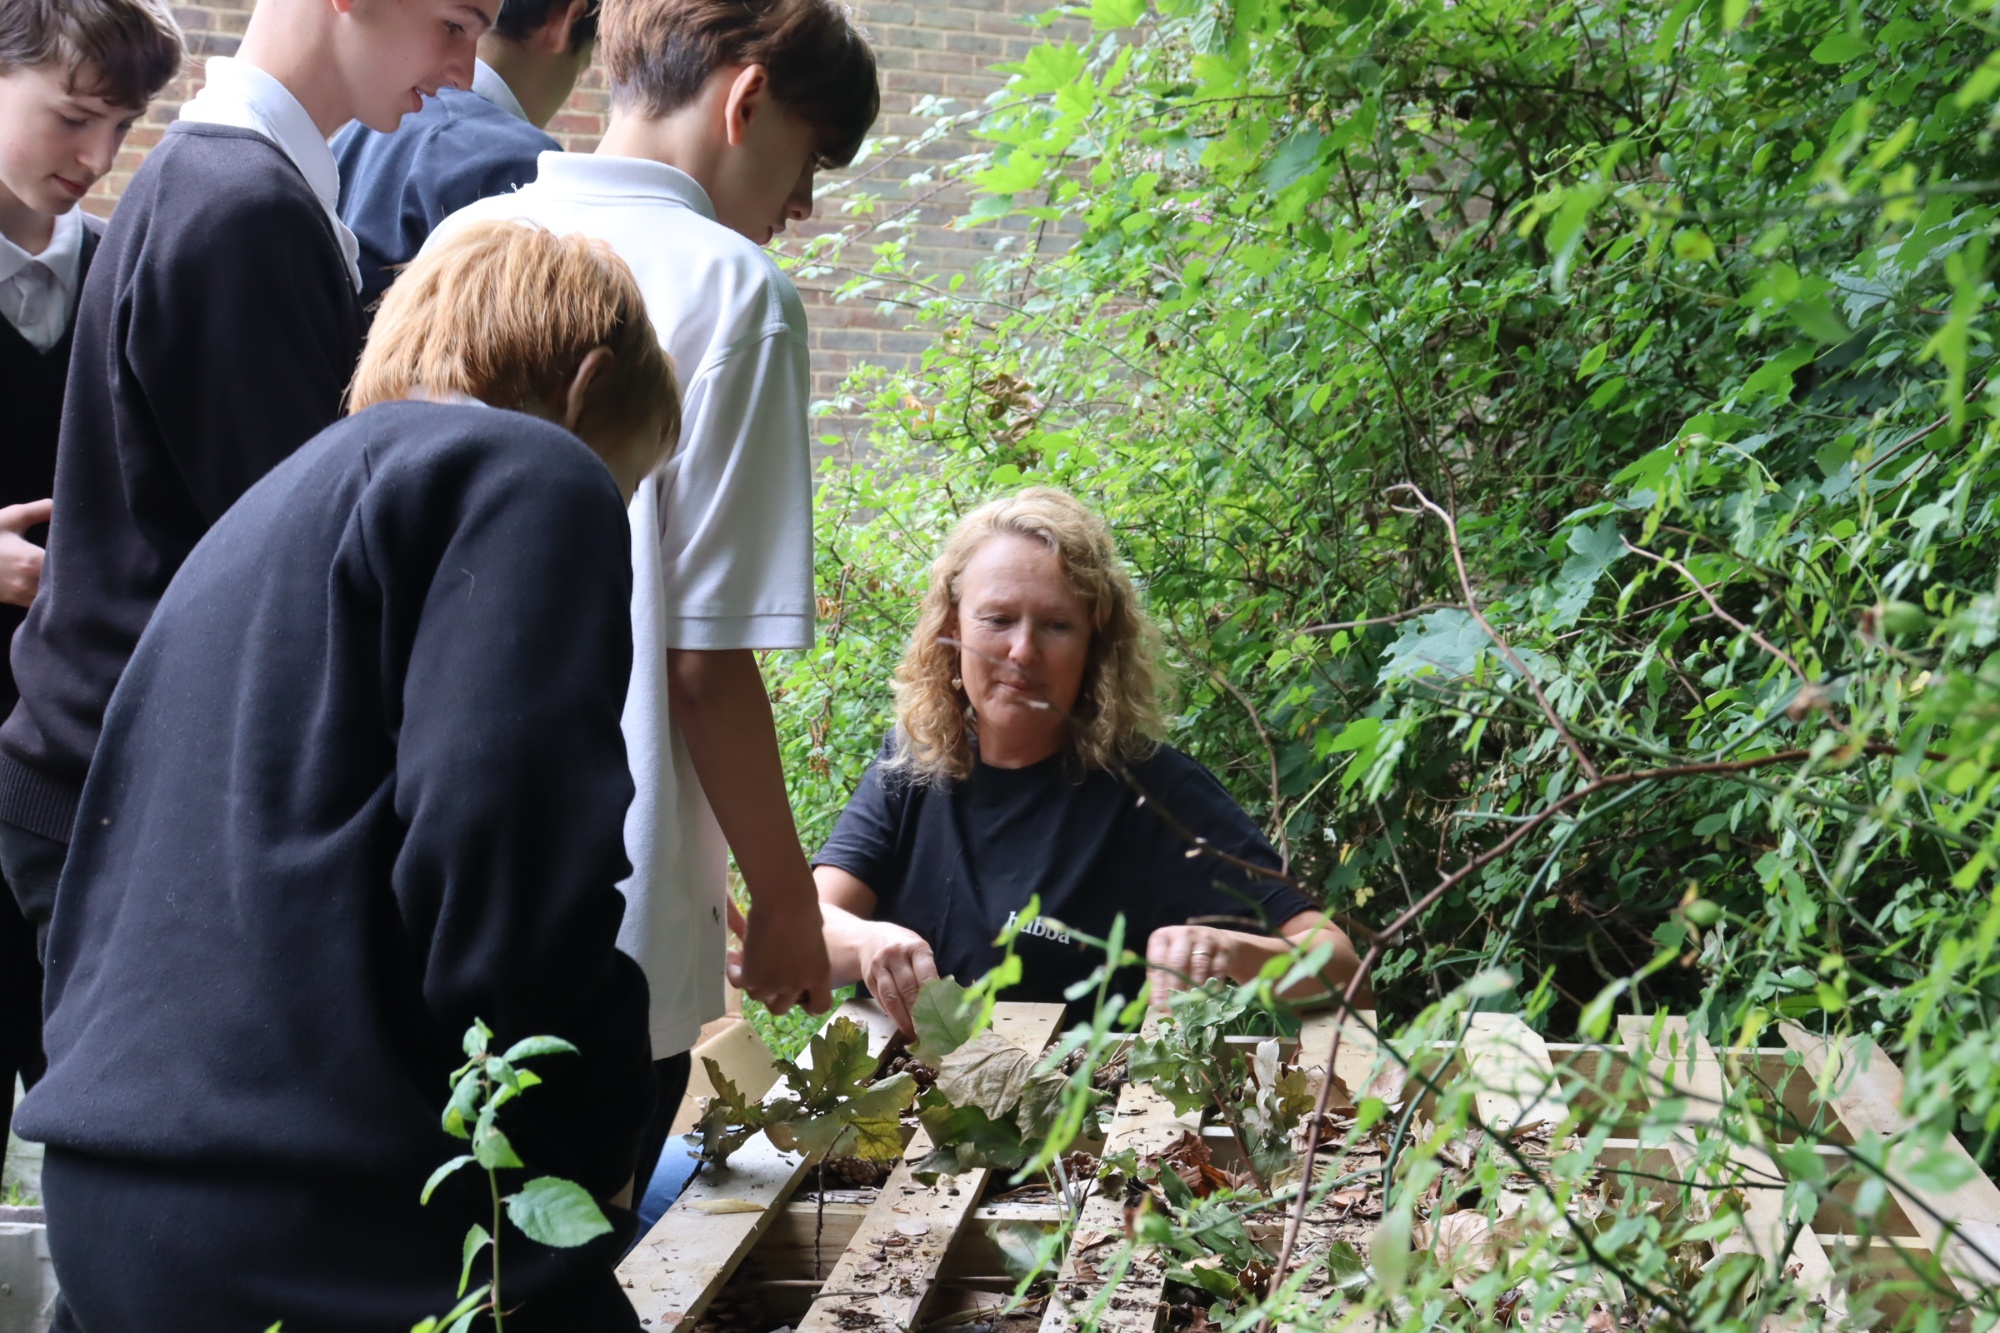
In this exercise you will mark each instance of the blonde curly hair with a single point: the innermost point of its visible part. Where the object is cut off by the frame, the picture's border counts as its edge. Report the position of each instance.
(1118, 712)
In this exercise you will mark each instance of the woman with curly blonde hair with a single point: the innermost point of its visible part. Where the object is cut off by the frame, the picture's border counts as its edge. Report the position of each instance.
(1026, 763)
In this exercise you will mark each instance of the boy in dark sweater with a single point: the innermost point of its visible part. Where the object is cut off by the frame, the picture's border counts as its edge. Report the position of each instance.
(74, 75)
(214, 337)
(463, 146)
(361, 785)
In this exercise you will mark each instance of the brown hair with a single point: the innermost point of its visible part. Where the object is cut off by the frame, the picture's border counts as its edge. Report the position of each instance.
(128, 49)
(660, 52)
(1118, 711)
(505, 312)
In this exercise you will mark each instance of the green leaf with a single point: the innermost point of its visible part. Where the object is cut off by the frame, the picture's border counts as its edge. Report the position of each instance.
(489, 1146)
(477, 1037)
(529, 1047)
(944, 1019)
(475, 1240)
(1774, 377)
(1839, 48)
(463, 1106)
(439, 1176)
(1693, 245)
(1106, 15)
(1296, 157)
(556, 1212)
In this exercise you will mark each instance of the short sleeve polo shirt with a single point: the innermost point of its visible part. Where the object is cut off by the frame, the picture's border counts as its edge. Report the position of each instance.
(721, 535)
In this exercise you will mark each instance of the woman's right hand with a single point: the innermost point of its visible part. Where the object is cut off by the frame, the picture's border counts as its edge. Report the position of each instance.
(895, 964)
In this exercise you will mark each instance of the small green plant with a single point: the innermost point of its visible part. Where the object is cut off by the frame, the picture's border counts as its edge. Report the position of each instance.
(833, 1094)
(548, 1209)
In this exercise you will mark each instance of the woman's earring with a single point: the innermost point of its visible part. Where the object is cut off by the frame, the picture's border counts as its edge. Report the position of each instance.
(957, 684)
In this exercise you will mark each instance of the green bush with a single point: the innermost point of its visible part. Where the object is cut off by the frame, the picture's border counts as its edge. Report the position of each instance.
(1681, 312)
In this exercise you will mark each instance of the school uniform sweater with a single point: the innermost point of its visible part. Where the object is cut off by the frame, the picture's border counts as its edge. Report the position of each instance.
(396, 188)
(31, 385)
(362, 783)
(214, 336)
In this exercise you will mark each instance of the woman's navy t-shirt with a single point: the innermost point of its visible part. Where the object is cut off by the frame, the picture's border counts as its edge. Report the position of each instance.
(956, 861)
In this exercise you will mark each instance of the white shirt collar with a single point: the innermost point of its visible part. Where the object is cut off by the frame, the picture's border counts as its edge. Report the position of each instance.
(601, 175)
(62, 256)
(39, 305)
(245, 97)
(486, 81)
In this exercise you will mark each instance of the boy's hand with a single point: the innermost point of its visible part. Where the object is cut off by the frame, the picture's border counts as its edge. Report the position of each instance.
(783, 959)
(21, 559)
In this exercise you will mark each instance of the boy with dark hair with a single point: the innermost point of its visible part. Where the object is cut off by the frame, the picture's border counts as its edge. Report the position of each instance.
(74, 76)
(721, 113)
(463, 146)
(215, 336)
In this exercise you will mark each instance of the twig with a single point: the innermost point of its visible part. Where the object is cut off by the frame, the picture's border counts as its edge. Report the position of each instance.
(1278, 817)
(1333, 625)
(1472, 607)
(1715, 606)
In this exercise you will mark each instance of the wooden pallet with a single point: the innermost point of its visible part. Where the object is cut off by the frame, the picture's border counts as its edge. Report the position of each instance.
(916, 1256)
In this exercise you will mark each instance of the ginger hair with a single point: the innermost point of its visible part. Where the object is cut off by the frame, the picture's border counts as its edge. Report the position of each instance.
(1119, 709)
(505, 312)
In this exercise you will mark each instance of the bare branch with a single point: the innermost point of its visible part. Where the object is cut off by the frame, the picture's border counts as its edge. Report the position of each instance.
(1472, 607)
(1715, 606)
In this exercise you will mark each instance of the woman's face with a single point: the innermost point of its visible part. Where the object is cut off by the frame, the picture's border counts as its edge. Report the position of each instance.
(1025, 636)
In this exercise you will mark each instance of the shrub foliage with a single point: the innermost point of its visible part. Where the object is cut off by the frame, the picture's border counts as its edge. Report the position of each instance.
(1501, 403)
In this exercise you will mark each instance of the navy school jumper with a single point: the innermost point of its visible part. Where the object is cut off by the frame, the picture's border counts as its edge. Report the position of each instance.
(215, 335)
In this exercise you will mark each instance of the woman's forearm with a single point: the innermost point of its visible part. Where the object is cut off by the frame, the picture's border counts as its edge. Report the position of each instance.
(844, 932)
(1249, 954)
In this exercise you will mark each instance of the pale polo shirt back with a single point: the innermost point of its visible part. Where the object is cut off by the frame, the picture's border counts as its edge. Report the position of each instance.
(721, 536)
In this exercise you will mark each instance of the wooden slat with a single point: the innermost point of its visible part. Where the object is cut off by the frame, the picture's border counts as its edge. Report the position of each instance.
(1684, 1066)
(1353, 1063)
(1143, 1123)
(1516, 1079)
(1865, 1090)
(674, 1273)
(743, 1059)
(888, 1271)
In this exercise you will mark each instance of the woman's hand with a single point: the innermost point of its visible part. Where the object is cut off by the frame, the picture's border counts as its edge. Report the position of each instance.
(21, 559)
(895, 964)
(1181, 957)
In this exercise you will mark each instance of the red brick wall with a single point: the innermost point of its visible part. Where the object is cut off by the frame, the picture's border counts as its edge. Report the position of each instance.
(934, 48)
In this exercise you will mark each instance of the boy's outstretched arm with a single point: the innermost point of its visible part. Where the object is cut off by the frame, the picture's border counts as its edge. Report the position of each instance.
(724, 714)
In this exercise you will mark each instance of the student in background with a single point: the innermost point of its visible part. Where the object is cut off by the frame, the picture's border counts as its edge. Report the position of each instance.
(74, 76)
(362, 784)
(721, 113)
(463, 146)
(215, 335)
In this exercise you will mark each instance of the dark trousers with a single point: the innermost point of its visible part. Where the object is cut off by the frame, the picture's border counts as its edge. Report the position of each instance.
(30, 865)
(672, 1074)
(158, 1249)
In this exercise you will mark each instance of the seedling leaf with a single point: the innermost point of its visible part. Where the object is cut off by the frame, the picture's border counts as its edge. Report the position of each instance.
(438, 1176)
(556, 1212)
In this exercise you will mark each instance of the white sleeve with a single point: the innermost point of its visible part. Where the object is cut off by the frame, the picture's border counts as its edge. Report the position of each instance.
(735, 509)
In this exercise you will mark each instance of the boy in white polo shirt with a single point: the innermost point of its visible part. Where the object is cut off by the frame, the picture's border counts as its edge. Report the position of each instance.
(721, 112)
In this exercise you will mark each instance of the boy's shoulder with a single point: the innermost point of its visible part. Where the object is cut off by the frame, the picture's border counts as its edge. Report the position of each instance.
(658, 221)
(454, 123)
(218, 191)
(214, 172)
